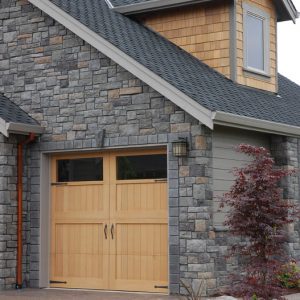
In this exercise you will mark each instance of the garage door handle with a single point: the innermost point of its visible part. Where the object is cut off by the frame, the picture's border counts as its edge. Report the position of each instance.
(105, 231)
(112, 231)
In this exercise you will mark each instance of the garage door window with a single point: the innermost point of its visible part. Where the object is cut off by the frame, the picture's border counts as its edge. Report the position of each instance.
(83, 169)
(142, 167)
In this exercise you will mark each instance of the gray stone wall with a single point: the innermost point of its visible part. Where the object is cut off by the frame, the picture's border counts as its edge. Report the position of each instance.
(8, 212)
(286, 152)
(76, 92)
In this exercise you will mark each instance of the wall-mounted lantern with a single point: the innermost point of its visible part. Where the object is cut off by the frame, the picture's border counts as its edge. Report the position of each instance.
(180, 147)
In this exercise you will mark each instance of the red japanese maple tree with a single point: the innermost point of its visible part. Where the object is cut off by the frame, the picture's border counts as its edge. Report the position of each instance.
(258, 215)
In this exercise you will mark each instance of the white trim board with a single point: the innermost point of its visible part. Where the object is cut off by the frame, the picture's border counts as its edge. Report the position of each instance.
(248, 123)
(291, 9)
(160, 85)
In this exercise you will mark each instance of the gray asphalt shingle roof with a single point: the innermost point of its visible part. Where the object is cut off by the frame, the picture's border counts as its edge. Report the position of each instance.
(10, 112)
(116, 3)
(185, 72)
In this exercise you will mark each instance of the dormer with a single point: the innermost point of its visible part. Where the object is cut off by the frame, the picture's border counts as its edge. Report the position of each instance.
(238, 38)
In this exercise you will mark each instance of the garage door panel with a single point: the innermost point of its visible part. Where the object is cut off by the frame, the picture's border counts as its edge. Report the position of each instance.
(70, 201)
(79, 253)
(141, 200)
(141, 256)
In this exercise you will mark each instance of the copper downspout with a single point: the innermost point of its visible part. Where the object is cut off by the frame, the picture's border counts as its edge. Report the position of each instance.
(30, 139)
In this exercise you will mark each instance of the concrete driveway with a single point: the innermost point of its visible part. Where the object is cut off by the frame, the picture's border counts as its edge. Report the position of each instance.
(59, 294)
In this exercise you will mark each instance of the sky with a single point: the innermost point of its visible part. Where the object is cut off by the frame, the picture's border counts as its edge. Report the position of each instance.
(289, 48)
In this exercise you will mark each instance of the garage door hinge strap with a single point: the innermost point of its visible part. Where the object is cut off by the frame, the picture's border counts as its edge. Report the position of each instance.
(55, 281)
(161, 287)
(59, 183)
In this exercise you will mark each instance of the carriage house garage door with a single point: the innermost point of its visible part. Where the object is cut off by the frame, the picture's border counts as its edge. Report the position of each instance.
(109, 226)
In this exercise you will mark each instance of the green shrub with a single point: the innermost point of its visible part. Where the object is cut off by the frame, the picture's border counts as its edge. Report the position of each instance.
(289, 276)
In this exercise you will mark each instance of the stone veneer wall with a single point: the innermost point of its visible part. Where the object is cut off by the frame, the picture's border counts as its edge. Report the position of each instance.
(75, 92)
(286, 152)
(8, 212)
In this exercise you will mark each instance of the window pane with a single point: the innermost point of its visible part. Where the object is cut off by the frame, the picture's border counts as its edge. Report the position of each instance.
(83, 169)
(142, 167)
(255, 42)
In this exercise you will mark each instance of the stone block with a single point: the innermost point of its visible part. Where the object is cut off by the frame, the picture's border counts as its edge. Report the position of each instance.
(56, 40)
(197, 170)
(196, 246)
(4, 65)
(130, 129)
(184, 171)
(200, 142)
(43, 60)
(130, 90)
(200, 225)
(9, 37)
(113, 94)
(197, 267)
(182, 127)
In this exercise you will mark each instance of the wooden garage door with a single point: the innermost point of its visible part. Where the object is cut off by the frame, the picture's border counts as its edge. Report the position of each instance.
(109, 221)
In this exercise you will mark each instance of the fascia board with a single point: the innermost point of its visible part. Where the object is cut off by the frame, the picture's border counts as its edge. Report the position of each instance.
(157, 83)
(109, 4)
(154, 5)
(248, 123)
(292, 11)
(21, 128)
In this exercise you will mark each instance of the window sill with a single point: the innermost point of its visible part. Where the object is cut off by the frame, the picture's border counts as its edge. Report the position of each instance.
(255, 72)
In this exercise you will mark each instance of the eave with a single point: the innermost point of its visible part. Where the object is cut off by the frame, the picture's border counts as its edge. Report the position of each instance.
(7, 128)
(153, 5)
(253, 124)
(285, 8)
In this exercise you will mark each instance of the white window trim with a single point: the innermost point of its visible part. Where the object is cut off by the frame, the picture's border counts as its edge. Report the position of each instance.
(252, 10)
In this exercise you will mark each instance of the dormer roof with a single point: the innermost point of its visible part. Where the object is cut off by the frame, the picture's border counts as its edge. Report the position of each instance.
(285, 8)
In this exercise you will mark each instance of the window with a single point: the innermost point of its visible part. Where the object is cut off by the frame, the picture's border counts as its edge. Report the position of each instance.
(256, 40)
(82, 169)
(142, 167)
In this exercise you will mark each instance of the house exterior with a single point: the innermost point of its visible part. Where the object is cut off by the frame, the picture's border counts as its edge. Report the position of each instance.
(103, 89)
